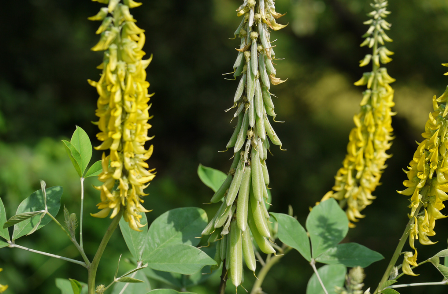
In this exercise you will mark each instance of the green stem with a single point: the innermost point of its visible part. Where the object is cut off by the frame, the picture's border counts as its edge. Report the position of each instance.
(96, 260)
(13, 245)
(397, 252)
(81, 251)
(256, 289)
(222, 285)
(81, 214)
(444, 282)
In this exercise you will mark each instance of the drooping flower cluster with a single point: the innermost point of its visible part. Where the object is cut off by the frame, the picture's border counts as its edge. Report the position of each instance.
(123, 112)
(427, 181)
(244, 192)
(371, 137)
(3, 287)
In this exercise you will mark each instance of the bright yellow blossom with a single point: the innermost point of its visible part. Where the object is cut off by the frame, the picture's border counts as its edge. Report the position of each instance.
(123, 113)
(3, 287)
(371, 137)
(409, 259)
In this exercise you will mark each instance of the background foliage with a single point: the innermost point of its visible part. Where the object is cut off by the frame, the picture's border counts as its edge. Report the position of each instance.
(46, 60)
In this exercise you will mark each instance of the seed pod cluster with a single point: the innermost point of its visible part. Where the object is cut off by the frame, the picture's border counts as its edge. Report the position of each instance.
(372, 135)
(123, 112)
(243, 213)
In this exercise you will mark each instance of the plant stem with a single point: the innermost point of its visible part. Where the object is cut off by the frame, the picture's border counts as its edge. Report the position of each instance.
(96, 260)
(81, 251)
(81, 213)
(13, 245)
(313, 265)
(397, 252)
(444, 282)
(139, 264)
(222, 286)
(265, 269)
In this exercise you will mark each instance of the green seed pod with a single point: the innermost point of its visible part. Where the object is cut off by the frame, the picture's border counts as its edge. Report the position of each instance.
(254, 57)
(210, 226)
(250, 83)
(239, 70)
(240, 89)
(248, 251)
(258, 99)
(260, 149)
(262, 242)
(267, 97)
(239, 109)
(242, 133)
(237, 32)
(223, 247)
(263, 74)
(269, 66)
(256, 175)
(235, 185)
(266, 146)
(243, 200)
(271, 133)
(236, 254)
(226, 228)
(265, 193)
(232, 140)
(228, 255)
(265, 210)
(217, 257)
(222, 218)
(236, 160)
(251, 114)
(262, 36)
(247, 149)
(265, 173)
(259, 217)
(270, 111)
(238, 61)
(222, 190)
(215, 236)
(261, 132)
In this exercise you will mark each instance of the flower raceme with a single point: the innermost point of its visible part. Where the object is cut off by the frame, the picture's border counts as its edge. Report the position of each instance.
(427, 175)
(371, 137)
(244, 192)
(123, 113)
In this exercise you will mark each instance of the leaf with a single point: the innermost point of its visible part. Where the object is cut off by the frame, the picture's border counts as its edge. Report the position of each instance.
(136, 241)
(133, 288)
(129, 280)
(94, 170)
(350, 255)
(37, 224)
(212, 178)
(80, 140)
(164, 277)
(18, 218)
(76, 286)
(390, 291)
(66, 286)
(443, 270)
(4, 232)
(3, 244)
(74, 155)
(442, 253)
(178, 258)
(332, 276)
(167, 291)
(35, 202)
(293, 234)
(177, 226)
(327, 225)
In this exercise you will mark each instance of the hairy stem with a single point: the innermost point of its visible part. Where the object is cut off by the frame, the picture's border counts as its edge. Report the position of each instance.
(13, 245)
(99, 253)
(313, 265)
(81, 213)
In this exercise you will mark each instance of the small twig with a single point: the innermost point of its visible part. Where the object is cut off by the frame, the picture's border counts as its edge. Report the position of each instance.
(222, 286)
(313, 265)
(444, 282)
(13, 245)
(260, 259)
(81, 214)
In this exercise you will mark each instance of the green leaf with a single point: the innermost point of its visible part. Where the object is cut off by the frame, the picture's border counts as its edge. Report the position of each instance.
(18, 218)
(129, 280)
(178, 258)
(80, 140)
(177, 226)
(327, 225)
(167, 291)
(390, 291)
(350, 255)
(164, 277)
(443, 253)
(94, 170)
(76, 286)
(36, 203)
(293, 234)
(133, 288)
(332, 276)
(66, 286)
(4, 232)
(212, 178)
(136, 241)
(3, 244)
(388, 283)
(74, 155)
(443, 270)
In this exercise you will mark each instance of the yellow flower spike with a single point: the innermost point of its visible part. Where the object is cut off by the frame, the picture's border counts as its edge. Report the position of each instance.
(371, 137)
(123, 114)
(408, 260)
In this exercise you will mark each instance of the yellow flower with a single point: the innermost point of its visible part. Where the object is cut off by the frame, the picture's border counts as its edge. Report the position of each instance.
(371, 137)
(3, 287)
(409, 259)
(123, 114)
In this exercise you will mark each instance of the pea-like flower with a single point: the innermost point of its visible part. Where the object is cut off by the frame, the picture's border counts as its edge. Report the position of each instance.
(123, 113)
(371, 137)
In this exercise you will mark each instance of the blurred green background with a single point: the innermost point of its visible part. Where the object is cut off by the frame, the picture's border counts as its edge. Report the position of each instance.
(46, 60)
